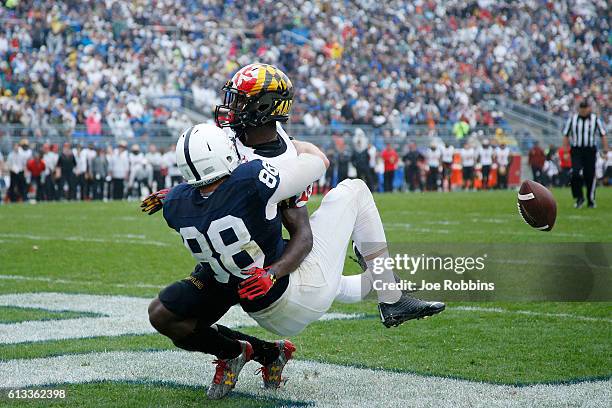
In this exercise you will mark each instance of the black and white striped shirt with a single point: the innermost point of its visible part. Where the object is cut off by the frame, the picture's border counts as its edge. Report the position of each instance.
(581, 131)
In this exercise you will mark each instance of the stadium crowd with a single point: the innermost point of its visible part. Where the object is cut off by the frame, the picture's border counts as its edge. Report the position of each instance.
(102, 63)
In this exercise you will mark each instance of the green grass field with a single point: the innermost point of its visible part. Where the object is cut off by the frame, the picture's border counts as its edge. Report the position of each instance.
(113, 249)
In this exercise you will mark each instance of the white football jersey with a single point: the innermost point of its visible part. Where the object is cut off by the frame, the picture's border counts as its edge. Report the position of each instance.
(447, 154)
(502, 156)
(433, 157)
(468, 157)
(286, 152)
(486, 155)
(282, 155)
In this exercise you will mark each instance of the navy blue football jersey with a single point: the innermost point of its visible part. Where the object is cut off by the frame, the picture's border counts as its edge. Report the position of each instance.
(229, 232)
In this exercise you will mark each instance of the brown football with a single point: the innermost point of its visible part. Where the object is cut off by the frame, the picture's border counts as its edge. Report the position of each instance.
(537, 205)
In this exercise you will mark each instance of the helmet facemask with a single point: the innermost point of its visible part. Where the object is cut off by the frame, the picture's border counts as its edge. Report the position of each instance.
(257, 94)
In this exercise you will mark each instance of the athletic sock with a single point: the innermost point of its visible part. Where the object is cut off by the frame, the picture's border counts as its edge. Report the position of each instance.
(384, 276)
(264, 352)
(209, 340)
(369, 236)
(354, 288)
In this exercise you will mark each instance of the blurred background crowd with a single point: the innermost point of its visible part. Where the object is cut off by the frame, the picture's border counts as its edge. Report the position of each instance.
(102, 71)
(93, 62)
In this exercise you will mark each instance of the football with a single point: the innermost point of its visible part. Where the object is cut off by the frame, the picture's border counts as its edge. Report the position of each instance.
(537, 205)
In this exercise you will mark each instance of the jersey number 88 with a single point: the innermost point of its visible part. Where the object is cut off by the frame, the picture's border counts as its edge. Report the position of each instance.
(224, 264)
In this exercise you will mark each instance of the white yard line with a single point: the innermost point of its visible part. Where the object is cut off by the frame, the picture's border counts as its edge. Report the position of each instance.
(78, 282)
(84, 239)
(530, 313)
(122, 315)
(325, 385)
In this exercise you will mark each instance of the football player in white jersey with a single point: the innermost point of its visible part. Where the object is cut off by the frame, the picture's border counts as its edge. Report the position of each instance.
(433, 155)
(468, 159)
(448, 152)
(502, 157)
(257, 99)
(485, 156)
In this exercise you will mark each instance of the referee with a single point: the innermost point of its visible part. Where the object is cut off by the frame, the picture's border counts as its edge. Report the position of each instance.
(580, 130)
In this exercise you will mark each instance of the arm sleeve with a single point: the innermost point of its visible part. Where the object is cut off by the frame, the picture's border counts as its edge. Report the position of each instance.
(601, 128)
(296, 175)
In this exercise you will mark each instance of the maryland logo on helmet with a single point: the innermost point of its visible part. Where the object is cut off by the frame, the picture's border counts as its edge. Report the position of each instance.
(256, 94)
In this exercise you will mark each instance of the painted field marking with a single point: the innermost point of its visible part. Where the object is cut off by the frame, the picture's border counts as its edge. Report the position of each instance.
(324, 385)
(72, 238)
(122, 315)
(78, 282)
(530, 313)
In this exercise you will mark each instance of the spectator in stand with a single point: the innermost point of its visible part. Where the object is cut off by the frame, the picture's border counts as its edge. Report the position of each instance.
(36, 167)
(357, 66)
(433, 156)
(468, 160)
(65, 168)
(448, 152)
(536, 161)
(390, 159)
(485, 157)
(119, 170)
(565, 162)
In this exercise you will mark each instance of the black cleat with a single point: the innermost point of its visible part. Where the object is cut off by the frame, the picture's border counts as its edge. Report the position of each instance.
(591, 204)
(407, 308)
(579, 203)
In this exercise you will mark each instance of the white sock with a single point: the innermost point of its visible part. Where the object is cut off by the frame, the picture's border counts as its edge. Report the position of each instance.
(385, 276)
(354, 288)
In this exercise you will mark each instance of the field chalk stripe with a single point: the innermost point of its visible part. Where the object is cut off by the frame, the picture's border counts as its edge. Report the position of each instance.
(85, 239)
(530, 313)
(122, 315)
(326, 385)
(78, 282)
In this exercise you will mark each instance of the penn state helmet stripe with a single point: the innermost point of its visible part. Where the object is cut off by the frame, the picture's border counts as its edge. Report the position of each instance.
(188, 156)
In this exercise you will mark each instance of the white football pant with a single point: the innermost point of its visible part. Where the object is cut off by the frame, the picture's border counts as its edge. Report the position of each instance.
(346, 212)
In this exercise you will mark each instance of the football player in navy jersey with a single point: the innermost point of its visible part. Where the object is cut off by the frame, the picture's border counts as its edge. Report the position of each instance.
(227, 216)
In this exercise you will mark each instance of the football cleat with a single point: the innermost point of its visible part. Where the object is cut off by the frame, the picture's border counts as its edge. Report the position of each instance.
(407, 308)
(272, 373)
(579, 203)
(226, 373)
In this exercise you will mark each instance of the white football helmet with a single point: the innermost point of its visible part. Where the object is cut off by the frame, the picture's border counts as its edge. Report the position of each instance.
(204, 154)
